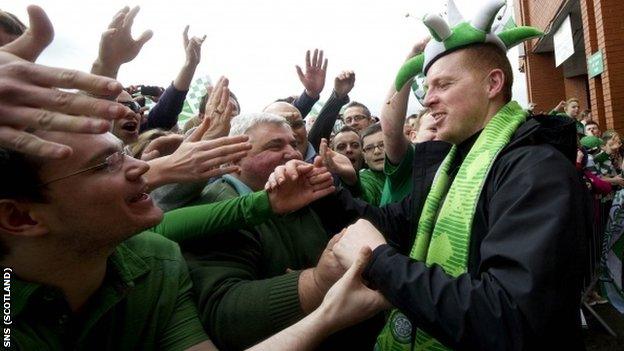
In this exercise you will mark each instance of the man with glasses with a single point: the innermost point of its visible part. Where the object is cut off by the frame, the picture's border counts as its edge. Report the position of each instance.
(357, 116)
(372, 179)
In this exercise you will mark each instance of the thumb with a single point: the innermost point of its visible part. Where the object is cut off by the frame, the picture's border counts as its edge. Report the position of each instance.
(198, 133)
(360, 263)
(300, 73)
(36, 38)
(147, 156)
(318, 162)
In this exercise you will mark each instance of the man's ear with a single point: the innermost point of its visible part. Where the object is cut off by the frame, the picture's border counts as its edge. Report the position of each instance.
(16, 219)
(495, 82)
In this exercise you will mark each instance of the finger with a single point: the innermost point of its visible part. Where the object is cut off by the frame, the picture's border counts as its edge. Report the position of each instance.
(211, 144)
(203, 39)
(315, 58)
(322, 186)
(323, 147)
(185, 36)
(145, 36)
(300, 73)
(118, 18)
(21, 117)
(291, 170)
(360, 263)
(280, 174)
(334, 240)
(72, 104)
(325, 66)
(318, 161)
(320, 178)
(322, 193)
(217, 172)
(270, 182)
(129, 20)
(224, 99)
(36, 38)
(30, 144)
(150, 155)
(303, 169)
(207, 155)
(320, 58)
(66, 78)
(221, 160)
(199, 132)
(308, 64)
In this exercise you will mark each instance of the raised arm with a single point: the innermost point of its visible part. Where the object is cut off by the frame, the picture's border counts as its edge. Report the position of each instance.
(328, 115)
(393, 116)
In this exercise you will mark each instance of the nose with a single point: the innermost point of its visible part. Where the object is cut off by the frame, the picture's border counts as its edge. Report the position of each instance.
(292, 154)
(430, 99)
(135, 168)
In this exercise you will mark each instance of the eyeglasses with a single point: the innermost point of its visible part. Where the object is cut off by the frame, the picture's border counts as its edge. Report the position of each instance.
(112, 164)
(133, 105)
(355, 118)
(372, 147)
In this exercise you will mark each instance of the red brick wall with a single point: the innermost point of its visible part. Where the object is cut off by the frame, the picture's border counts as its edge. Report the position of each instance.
(575, 87)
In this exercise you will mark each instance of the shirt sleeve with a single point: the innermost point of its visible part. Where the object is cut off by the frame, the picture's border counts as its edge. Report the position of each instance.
(165, 113)
(326, 119)
(195, 222)
(304, 103)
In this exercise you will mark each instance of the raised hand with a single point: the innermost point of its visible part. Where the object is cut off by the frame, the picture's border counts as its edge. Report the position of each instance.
(192, 47)
(313, 79)
(117, 45)
(218, 115)
(343, 83)
(30, 98)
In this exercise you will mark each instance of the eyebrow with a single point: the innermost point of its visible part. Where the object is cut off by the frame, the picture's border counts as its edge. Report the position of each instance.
(111, 149)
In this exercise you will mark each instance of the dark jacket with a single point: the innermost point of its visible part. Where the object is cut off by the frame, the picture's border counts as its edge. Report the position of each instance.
(522, 289)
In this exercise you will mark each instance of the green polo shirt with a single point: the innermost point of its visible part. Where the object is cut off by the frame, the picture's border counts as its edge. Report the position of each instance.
(144, 303)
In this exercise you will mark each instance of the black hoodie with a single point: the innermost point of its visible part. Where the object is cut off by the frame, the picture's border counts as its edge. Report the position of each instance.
(523, 287)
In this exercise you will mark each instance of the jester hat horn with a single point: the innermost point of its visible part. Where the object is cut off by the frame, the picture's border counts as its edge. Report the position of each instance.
(458, 33)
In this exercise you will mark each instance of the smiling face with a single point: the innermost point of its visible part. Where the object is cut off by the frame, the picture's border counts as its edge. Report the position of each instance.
(273, 145)
(573, 109)
(98, 208)
(127, 128)
(457, 98)
(373, 147)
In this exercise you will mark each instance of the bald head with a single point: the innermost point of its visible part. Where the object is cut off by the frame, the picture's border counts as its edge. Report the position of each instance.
(294, 118)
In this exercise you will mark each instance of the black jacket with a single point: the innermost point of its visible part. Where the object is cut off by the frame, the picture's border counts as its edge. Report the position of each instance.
(523, 286)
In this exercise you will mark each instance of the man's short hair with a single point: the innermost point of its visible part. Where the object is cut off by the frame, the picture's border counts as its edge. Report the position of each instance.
(571, 100)
(486, 57)
(589, 123)
(242, 124)
(370, 130)
(358, 104)
(10, 24)
(205, 97)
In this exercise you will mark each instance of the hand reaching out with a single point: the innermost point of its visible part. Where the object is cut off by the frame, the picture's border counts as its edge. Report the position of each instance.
(316, 70)
(30, 98)
(218, 114)
(337, 163)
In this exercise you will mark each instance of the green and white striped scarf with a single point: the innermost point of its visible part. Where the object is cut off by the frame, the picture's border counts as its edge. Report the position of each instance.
(444, 227)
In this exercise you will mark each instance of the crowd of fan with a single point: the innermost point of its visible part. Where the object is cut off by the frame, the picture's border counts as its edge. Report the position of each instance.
(258, 261)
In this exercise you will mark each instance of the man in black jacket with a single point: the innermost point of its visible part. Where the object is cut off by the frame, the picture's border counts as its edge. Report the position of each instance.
(519, 286)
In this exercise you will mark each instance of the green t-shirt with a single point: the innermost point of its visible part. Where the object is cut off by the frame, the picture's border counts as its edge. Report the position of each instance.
(398, 179)
(144, 303)
(371, 184)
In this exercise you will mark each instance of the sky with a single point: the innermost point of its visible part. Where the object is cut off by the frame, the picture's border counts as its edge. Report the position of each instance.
(256, 44)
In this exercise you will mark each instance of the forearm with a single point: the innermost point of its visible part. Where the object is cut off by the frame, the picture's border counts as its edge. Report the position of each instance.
(106, 70)
(165, 113)
(392, 121)
(304, 103)
(310, 294)
(200, 221)
(326, 119)
(185, 76)
(306, 334)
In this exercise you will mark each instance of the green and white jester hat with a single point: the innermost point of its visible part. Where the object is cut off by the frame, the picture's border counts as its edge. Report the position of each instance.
(458, 33)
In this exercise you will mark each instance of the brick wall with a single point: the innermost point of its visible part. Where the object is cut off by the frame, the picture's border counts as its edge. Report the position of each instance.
(576, 87)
